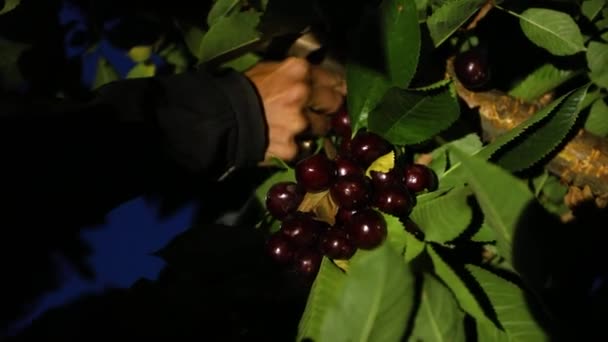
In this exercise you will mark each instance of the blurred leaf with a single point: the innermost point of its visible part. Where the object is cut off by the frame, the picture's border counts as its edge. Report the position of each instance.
(444, 218)
(324, 295)
(9, 5)
(439, 319)
(176, 57)
(366, 87)
(591, 8)
(511, 306)
(140, 54)
(402, 35)
(230, 34)
(597, 57)
(501, 196)
(243, 63)
(552, 30)
(453, 281)
(437, 85)
(282, 17)
(221, 8)
(540, 81)
(597, 121)
(105, 73)
(546, 137)
(10, 76)
(194, 40)
(142, 70)
(407, 117)
(422, 6)
(452, 14)
(375, 302)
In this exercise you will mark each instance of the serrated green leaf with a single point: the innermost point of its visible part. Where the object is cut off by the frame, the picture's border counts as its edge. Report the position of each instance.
(402, 36)
(9, 56)
(597, 61)
(597, 121)
(396, 233)
(444, 218)
(324, 294)
(511, 306)
(9, 5)
(221, 8)
(551, 30)
(502, 212)
(375, 302)
(470, 143)
(546, 137)
(194, 40)
(142, 70)
(452, 280)
(230, 34)
(366, 87)
(591, 8)
(286, 175)
(407, 117)
(540, 81)
(446, 19)
(243, 62)
(413, 247)
(484, 234)
(105, 73)
(434, 86)
(439, 319)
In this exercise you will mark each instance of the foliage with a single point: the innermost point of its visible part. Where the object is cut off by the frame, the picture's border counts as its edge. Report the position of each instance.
(440, 286)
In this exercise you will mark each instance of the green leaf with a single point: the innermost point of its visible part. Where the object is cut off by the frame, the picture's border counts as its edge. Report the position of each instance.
(375, 302)
(597, 57)
(324, 294)
(175, 56)
(402, 36)
(407, 117)
(434, 86)
(105, 73)
(243, 62)
(9, 5)
(366, 87)
(413, 246)
(422, 6)
(540, 81)
(220, 9)
(9, 56)
(286, 175)
(396, 233)
(142, 70)
(511, 306)
(453, 281)
(552, 30)
(546, 137)
(470, 143)
(591, 8)
(444, 218)
(502, 212)
(229, 35)
(484, 234)
(439, 319)
(597, 121)
(194, 40)
(449, 17)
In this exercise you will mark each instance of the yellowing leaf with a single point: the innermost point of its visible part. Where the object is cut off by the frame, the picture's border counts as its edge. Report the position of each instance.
(382, 164)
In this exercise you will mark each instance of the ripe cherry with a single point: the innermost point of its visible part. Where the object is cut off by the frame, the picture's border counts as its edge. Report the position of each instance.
(367, 229)
(301, 229)
(383, 179)
(335, 244)
(351, 192)
(418, 177)
(315, 173)
(346, 167)
(283, 198)
(366, 147)
(280, 249)
(344, 215)
(471, 68)
(340, 124)
(394, 200)
(307, 262)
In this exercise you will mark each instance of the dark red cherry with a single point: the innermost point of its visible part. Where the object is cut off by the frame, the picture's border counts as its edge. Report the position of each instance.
(344, 215)
(307, 262)
(471, 68)
(340, 123)
(394, 200)
(283, 198)
(367, 229)
(335, 244)
(383, 179)
(419, 177)
(351, 192)
(366, 147)
(346, 167)
(280, 249)
(315, 173)
(301, 229)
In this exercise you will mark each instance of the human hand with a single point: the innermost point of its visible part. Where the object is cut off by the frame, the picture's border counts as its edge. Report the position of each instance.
(297, 97)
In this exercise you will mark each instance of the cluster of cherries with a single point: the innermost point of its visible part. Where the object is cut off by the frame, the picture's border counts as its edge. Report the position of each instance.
(361, 198)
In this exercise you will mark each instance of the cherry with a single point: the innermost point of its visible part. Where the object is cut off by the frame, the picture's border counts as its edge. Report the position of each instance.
(340, 124)
(301, 229)
(351, 192)
(366, 147)
(394, 200)
(335, 244)
(383, 179)
(367, 229)
(315, 173)
(418, 177)
(344, 215)
(471, 68)
(307, 262)
(283, 198)
(346, 167)
(280, 249)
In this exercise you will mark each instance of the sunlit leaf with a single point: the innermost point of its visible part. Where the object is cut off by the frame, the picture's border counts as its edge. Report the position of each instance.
(552, 30)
